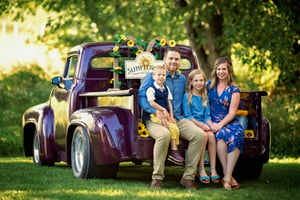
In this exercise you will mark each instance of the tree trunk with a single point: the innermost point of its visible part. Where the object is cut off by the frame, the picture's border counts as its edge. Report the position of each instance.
(209, 51)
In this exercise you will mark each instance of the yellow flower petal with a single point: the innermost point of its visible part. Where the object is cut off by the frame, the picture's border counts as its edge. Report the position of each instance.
(142, 132)
(115, 49)
(172, 43)
(249, 134)
(118, 68)
(123, 37)
(130, 43)
(111, 81)
(163, 42)
(138, 52)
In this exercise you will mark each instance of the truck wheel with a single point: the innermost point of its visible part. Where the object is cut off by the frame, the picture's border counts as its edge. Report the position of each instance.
(36, 149)
(36, 152)
(83, 164)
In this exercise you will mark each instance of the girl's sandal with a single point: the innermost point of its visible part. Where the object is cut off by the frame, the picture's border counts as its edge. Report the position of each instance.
(216, 178)
(203, 179)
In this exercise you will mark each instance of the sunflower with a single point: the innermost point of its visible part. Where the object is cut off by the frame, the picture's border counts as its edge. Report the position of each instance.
(249, 134)
(130, 43)
(123, 37)
(116, 49)
(163, 42)
(111, 81)
(143, 132)
(138, 52)
(172, 43)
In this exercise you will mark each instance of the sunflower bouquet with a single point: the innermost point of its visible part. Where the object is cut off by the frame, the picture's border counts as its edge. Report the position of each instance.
(143, 132)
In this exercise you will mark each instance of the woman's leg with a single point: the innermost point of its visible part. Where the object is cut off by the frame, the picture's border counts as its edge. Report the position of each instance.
(232, 158)
(222, 150)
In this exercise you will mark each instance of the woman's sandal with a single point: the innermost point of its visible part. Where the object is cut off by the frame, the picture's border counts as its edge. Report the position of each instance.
(234, 185)
(226, 185)
(203, 179)
(216, 178)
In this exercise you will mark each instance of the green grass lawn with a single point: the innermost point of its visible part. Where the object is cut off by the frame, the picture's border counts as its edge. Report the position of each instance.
(21, 179)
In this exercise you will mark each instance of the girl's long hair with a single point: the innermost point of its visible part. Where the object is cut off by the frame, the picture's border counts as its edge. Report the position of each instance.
(214, 78)
(189, 88)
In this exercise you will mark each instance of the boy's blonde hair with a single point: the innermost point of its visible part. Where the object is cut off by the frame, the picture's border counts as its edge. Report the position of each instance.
(158, 67)
(189, 89)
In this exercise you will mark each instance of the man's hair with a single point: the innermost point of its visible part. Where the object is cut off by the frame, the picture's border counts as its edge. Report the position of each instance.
(171, 49)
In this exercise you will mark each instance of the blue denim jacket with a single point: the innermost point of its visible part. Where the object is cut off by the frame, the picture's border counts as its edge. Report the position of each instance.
(176, 85)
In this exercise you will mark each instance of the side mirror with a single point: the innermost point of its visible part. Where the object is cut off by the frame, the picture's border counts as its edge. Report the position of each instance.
(59, 81)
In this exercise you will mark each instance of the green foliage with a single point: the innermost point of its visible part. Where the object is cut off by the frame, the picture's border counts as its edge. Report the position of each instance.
(264, 36)
(284, 115)
(24, 87)
(249, 78)
(267, 32)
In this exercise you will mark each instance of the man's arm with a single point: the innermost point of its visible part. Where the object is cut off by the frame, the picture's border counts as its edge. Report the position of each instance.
(146, 83)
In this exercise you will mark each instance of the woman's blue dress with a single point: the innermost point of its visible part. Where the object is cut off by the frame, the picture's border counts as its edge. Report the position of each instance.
(233, 132)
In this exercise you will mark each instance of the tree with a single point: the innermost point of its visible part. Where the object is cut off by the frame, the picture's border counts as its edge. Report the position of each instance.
(259, 33)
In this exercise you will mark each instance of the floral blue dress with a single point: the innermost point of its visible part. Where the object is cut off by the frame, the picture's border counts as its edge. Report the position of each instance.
(233, 132)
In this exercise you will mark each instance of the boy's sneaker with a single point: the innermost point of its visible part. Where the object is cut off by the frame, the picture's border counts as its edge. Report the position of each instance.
(175, 157)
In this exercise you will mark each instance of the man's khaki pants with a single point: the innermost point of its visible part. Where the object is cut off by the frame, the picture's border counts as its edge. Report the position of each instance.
(189, 132)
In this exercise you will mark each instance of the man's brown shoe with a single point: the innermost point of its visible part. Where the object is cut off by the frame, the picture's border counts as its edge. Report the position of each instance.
(156, 184)
(188, 184)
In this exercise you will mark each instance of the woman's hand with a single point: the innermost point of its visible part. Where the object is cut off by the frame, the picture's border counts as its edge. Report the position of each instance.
(216, 127)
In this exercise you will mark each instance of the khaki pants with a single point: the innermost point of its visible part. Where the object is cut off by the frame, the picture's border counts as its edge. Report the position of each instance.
(173, 128)
(188, 131)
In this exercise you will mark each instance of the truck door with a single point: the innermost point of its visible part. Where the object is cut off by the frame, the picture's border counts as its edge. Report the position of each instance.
(60, 98)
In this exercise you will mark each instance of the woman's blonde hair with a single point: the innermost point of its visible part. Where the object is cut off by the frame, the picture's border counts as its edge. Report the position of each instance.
(189, 88)
(214, 78)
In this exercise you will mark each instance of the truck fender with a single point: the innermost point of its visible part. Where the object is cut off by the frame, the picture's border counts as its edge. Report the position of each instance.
(110, 132)
(39, 119)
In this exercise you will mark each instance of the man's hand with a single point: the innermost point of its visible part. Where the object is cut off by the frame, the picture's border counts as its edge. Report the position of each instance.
(162, 117)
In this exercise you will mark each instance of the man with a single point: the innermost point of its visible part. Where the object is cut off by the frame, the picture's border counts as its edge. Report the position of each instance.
(188, 131)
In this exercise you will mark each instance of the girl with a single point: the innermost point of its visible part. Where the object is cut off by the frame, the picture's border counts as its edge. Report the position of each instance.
(196, 108)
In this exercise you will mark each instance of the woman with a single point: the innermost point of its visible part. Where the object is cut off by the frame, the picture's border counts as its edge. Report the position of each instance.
(224, 99)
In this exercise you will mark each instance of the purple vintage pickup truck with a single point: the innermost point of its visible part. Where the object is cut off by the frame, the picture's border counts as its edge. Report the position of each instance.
(92, 119)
